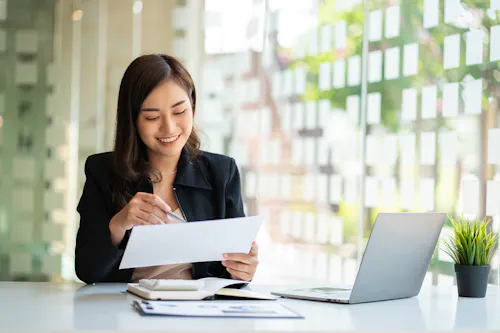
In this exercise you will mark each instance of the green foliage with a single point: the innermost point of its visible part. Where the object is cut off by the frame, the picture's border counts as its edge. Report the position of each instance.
(472, 244)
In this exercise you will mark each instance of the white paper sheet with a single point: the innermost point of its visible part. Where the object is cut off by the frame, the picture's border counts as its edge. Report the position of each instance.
(470, 195)
(392, 22)
(428, 148)
(339, 74)
(391, 68)
(452, 11)
(427, 194)
(324, 76)
(431, 13)
(495, 43)
(154, 245)
(375, 30)
(375, 66)
(340, 40)
(354, 68)
(409, 105)
(450, 99)
(326, 38)
(407, 189)
(429, 102)
(372, 189)
(410, 55)
(451, 54)
(374, 108)
(448, 142)
(493, 142)
(311, 115)
(474, 51)
(352, 107)
(492, 197)
(224, 309)
(335, 189)
(473, 96)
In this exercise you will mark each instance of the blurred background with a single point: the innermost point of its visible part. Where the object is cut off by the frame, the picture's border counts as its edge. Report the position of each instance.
(335, 110)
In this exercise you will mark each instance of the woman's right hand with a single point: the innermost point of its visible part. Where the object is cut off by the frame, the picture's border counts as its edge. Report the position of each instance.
(142, 209)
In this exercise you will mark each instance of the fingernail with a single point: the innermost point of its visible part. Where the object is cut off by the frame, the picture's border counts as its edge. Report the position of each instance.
(225, 255)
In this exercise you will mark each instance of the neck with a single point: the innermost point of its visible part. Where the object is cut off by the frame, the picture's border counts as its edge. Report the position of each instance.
(165, 164)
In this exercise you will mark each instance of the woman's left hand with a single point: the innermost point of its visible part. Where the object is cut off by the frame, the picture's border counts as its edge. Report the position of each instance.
(242, 266)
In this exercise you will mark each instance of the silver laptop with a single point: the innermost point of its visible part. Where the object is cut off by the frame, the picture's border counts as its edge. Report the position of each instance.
(394, 263)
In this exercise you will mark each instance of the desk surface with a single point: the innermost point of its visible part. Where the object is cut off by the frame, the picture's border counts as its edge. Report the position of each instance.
(106, 307)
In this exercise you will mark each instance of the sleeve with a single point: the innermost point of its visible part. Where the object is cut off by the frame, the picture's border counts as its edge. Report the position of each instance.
(234, 208)
(96, 258)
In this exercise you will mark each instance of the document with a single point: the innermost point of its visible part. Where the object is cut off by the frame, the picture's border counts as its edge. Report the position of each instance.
(154, 245)
(214, 309)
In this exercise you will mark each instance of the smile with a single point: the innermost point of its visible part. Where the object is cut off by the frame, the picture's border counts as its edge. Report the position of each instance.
(168, 140)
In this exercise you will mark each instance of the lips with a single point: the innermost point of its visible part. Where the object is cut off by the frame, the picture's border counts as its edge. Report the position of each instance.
(168, 140)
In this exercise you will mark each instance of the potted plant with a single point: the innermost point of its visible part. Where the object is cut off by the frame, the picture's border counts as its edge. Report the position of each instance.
(471, 247)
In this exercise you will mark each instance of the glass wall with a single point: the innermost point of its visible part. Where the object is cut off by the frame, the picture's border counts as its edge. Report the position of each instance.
(334, 110)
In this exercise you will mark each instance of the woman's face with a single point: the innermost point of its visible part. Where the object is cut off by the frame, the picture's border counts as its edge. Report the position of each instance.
(165, 120)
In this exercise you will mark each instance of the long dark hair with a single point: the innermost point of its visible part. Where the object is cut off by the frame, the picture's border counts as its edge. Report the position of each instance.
(130, 159)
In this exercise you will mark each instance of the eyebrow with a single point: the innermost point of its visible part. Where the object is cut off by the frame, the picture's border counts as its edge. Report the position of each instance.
(156, 109)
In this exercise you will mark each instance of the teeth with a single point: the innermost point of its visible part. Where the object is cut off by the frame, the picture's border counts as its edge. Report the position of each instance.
(169, 139)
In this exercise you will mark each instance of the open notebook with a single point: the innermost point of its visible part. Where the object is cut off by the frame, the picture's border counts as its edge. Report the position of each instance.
(208, 288)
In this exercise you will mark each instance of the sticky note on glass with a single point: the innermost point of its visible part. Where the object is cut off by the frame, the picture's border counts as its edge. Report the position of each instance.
(410, 56)
(326, 38)
(372, 192)
(375, 30)
(390, 148)
(354, 71)
(298, 151)
(335, 189)
(324, 114)
(431, 13)
(408, 142)
(310, 151)
(323, 152)
(340, 40)
(427, 194)
(473, 96)
(339, 74)
(450, 99)
(375, 66)
(286, 117)
(391, 63)
(324, 76)
(470, 195)
(288, 82)
(495, 43)
(428, 148)
(452, 10)
(451, 53)
(474, 47)
(495, 4)
(374, 108)
(392, 22)
(407, 197)
(409, 105)
(493, 197)
(448, 142)
(429, 102)
(298, 116)
(313, 43)
(309, 188)
(311, 115)
(323, 233)
(300, 80)
(352, 107)
(493, 141)
(350, 189)
(336, 230)
(322, 188)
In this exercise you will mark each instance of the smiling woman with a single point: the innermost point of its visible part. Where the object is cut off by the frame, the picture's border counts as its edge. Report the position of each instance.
(156, 168)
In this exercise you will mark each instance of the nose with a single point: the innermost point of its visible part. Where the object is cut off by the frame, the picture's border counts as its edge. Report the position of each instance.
(168, 124)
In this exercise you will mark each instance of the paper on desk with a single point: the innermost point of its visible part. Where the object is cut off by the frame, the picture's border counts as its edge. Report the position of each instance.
(154, 245)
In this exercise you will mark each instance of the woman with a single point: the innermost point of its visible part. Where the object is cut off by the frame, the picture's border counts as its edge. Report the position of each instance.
(156, 167)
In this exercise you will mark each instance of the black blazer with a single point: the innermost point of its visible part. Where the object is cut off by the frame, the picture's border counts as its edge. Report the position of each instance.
(207, 188)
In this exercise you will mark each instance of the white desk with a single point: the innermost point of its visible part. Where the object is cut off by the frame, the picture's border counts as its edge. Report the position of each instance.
(105, 307)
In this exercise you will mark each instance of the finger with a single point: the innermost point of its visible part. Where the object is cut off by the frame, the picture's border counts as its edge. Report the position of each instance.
(242, 257)
(152, 209)
(238, 266)
(254, 250)
(150, 217)
(155, 201)
(239, 275)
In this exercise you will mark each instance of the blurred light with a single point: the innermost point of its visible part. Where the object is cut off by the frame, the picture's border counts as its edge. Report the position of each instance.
(1, 121)
(137, 8)
(77, 15)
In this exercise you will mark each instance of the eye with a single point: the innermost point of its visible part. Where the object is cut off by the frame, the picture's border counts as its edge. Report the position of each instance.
(181, 112)
(152, 118)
